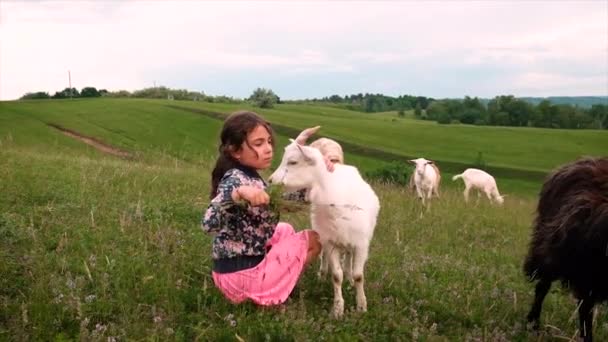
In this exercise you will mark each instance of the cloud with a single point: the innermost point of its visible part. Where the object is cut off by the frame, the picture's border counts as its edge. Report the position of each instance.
(440, 49)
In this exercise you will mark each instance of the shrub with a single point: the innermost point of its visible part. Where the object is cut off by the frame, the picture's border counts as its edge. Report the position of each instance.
(394, 172)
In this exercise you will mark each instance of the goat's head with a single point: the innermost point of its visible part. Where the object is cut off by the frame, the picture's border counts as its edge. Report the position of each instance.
(420, 164)
(298, 167)
(305, 134)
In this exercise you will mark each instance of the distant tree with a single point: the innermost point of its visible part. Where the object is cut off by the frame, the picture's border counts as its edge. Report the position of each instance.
(89, 92)
(444, 118)
(39, 95)
(519, 112)
(501, 119)
(119, 93)
(264, 98)
(66, 93)
(435, 109)
(423, 101)
(418, 110)
(335, 99)
(599, 114)
(369, 104)
(565, 116)
(543, 115)
(470, 116)
(454, 108)
(161, 92)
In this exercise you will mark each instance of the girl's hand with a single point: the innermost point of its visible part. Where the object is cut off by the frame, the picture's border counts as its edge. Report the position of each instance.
(255, 196)
(328, 164)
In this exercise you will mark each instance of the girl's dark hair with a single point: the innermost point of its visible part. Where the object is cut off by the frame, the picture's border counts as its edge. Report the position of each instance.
(234, 134)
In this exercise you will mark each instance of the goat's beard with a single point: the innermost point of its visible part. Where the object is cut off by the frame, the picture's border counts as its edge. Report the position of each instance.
(291, 188)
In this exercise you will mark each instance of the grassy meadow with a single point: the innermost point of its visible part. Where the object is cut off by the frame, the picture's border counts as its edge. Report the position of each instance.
(95, 247)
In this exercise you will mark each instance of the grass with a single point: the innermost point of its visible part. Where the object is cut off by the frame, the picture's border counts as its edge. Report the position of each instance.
(93, 247)
(520, 148)
(99, 247)
(518, 157)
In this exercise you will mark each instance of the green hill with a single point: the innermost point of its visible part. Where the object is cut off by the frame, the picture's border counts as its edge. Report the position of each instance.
(155, 128)
(99, 247)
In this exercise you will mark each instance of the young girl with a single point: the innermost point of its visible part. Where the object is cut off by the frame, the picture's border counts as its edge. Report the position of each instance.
(254, 256)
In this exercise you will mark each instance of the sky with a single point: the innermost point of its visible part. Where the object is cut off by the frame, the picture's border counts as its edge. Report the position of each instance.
(443, 49)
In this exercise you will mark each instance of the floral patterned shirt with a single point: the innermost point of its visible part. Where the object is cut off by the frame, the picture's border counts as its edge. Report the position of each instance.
(241, 229)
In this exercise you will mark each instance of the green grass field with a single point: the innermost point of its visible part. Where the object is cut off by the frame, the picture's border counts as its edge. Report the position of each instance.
(94, 247)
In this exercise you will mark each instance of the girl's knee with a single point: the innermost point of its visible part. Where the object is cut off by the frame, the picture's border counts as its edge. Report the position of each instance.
(284, 228)
(314, 243)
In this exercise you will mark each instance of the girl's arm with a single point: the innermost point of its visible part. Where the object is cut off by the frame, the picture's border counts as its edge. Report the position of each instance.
(217, 211)
(254, 195)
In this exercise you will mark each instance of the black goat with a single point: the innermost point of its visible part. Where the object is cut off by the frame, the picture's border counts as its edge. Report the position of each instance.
(570, 238)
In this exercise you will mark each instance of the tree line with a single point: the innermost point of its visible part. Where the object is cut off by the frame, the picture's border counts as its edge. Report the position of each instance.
(373, 103)
(503, 110)
(507, 110)
(65, 94)
(261, 97)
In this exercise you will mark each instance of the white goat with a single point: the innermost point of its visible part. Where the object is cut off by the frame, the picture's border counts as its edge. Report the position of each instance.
(332, 150)
(344, 210)
(426, 178)
(482, 181)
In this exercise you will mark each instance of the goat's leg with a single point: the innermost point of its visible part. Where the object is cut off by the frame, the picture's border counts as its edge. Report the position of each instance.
(542, 288)
(429, 193)
(324, 260)
(466, 193)
(348, 267)
(420, 194)
(489, 195)
(336, 270)
(359, 259)
(585, 318)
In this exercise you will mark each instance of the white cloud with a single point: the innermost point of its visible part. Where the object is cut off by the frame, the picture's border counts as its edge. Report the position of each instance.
(123, 45)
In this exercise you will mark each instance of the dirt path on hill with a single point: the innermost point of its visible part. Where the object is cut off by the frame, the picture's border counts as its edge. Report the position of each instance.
(96, 143)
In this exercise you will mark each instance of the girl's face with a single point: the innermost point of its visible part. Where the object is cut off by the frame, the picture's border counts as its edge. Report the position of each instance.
(256, 151)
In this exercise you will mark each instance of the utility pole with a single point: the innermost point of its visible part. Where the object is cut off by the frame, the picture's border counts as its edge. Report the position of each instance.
(70, 82)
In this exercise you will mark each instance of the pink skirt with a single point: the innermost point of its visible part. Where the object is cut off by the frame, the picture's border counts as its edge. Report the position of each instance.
(273, 279)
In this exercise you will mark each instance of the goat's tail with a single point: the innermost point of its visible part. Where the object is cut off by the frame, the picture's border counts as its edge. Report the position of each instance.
(456, 177)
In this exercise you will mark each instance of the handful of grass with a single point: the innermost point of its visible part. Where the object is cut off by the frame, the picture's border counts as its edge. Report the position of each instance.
(279, 204)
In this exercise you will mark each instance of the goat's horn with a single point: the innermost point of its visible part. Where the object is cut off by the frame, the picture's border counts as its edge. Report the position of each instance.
(301, 139)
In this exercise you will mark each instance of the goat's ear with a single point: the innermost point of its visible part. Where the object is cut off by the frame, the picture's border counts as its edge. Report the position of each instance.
(305, 134)
(411, 161)
(307, 158)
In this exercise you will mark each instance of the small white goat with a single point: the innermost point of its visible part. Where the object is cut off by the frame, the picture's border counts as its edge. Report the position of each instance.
(426, 178)
(332, 150)
(344, 210)
(482, 181)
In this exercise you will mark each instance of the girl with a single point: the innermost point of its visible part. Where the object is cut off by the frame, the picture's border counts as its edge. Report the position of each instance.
(254, 256)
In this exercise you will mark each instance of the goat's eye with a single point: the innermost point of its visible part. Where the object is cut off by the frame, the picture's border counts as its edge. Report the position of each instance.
(334, 161)
(292, 162)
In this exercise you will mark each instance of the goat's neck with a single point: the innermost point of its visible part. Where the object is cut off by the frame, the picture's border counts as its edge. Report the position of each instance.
(322, 182)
